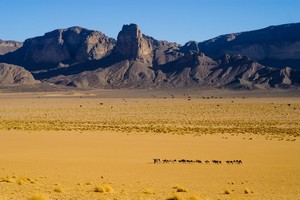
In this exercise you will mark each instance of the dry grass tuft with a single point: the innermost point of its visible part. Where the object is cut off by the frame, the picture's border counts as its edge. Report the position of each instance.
(227, 192)
(24, 181)
(246, 191)
(21, 182)
(8, 179)
(58, 190)
(37, 197)
(181, 189)
(194, 197)
(148, 191)
(89, 183)
(231, 119)
(176, 197)
(103, 189)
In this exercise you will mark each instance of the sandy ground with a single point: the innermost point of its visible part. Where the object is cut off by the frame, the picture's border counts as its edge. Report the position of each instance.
(62, 146)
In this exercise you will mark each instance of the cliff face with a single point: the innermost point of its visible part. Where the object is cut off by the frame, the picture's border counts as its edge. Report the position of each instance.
(132, 44)
(9, 46)
(12, 75)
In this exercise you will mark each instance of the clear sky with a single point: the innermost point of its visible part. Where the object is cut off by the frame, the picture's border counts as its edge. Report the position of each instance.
(173, 20)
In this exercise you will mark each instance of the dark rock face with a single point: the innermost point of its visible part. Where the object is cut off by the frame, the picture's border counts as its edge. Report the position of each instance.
(131, 44)
(12, 75)
(9, 46)
(165, 52)
(60, 48)
(231, 72)
(190, 46)
(277, 46)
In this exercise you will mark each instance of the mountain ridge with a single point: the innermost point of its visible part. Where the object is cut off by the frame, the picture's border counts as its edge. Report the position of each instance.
(79, 57)
(274, 45)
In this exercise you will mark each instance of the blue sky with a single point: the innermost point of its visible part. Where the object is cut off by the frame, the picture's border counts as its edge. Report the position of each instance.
(173, 20)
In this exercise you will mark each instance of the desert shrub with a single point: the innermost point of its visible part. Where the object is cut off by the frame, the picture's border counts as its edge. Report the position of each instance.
(227, 192)
(8, 180)
(103, 189)
(21, 182)
(194, 197)
(175, 197)
(246, 191)
(148, 191)
(37, 197)
(89, 183)
(181, 189)
(58, 190)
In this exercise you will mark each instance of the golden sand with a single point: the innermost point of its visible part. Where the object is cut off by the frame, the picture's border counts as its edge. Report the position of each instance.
(88, 147)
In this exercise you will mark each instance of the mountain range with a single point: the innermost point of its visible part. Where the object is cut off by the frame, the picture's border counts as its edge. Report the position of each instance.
(78, 57)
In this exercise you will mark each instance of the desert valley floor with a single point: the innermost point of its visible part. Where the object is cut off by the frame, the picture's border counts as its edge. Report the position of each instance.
(101, 145)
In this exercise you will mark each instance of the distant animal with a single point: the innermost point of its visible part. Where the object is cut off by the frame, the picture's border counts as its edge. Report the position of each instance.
(239, 162)
(216, 162)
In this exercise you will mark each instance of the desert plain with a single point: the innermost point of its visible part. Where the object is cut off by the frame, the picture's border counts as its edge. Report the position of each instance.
(100, 144)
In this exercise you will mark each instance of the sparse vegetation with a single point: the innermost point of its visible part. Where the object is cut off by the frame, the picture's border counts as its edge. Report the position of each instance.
(246, 191)
(148, 191)
(18, 180)
(21, 182)
(181, 189)
(8, 179)
(175, 197)
(201, 117)
(103, 189)
(58, 190)
(227, 192)
(38, 197)
(194, 197)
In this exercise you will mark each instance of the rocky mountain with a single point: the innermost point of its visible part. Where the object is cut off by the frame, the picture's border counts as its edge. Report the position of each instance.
(78, 57)
(277, 46)
(131, 46)
(12, 75)
(9, 46)
(60, 48)
(191, 70)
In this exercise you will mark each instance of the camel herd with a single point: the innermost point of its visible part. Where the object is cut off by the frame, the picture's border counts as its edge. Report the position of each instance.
(217, 162)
